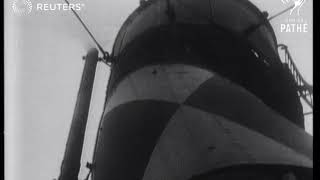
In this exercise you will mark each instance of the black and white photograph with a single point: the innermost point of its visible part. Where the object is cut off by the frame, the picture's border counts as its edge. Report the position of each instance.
(158, 89)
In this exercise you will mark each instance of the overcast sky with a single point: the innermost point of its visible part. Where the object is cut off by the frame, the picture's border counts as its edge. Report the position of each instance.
(43, 68)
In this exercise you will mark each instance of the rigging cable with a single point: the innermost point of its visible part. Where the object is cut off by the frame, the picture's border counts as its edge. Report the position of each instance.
(105, 54)
(281, 12)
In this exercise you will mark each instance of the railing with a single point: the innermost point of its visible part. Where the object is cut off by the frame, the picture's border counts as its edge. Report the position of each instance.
(305, 90)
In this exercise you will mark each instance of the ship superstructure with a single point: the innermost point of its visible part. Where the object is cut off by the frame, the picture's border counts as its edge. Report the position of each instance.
(198, 91)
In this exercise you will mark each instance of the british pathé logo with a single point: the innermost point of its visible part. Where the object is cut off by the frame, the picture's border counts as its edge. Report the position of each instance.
(297, 4)
(21, 7)
(295, 23)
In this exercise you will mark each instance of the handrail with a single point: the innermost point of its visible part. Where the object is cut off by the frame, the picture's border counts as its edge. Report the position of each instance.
(304, 89)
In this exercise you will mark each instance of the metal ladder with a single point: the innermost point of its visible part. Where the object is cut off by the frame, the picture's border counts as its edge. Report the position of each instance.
(304, 89)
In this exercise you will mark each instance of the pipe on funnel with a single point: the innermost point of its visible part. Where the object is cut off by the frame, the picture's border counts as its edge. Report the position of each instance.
(71, 161)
